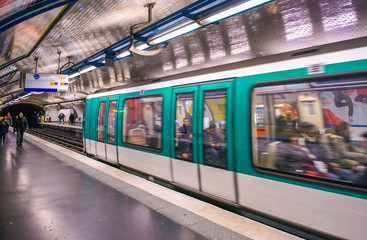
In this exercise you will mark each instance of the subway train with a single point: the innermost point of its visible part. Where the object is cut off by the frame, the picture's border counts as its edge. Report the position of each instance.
(283, 137)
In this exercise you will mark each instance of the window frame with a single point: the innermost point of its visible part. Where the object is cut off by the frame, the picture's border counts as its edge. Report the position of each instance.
(84, 116)
(108, 118)
(226, 89)
(104, 117)
(192, 126)
(122, 124)
(291, 175)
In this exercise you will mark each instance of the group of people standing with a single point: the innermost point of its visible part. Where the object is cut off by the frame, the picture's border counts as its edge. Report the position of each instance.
(61, 118)
(20, 125)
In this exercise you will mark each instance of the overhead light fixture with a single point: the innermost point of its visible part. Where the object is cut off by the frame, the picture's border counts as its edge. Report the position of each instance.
(128, 53)
(115, 49)
(71, 102)
(26, 95)
(88, 69)
(97, 58)
(143, 46)
(74, 75)
(175, 33)
(234, 10)
(123, 54)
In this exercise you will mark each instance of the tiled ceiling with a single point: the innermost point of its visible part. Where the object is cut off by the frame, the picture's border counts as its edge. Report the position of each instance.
(92, 25)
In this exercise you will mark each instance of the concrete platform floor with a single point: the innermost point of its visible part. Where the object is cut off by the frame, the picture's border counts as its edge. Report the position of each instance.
(45, 198)
(48, 192)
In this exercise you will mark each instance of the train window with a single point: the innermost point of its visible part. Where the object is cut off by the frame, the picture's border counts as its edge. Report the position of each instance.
(100, 127)
(183, 138)
(317, 129)
(214, 128)
(142, 121)
(111, 122)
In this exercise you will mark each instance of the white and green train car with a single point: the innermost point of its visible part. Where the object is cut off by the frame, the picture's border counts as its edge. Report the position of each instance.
(265, 137)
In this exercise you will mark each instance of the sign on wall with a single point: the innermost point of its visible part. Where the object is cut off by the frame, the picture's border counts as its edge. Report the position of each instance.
(36, 82)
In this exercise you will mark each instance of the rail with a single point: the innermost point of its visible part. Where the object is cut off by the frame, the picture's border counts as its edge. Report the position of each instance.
(59, 138)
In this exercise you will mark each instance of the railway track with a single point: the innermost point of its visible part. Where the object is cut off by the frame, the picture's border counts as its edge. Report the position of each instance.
(63, 139)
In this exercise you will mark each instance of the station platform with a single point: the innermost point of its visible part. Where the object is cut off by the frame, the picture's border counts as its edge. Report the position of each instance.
(49, 192)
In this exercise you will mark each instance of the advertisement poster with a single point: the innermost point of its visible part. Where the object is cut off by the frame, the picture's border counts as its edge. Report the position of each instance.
(80, 106)
(345, 105)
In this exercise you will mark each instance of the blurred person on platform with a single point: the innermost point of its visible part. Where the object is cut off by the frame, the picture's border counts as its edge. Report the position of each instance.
(21, 125)
(9, 119)
(71, 118)
(4, 128)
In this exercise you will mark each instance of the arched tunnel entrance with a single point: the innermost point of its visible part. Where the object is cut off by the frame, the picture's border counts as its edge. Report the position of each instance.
(30, 111)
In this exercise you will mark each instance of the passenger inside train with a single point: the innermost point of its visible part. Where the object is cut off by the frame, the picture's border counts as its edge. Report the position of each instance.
(306, 129)
(291, 156)
(111, 122)
(183, 126)
(311, 140)
(184, 135)
(286, 123)
(214, 146)
(142, 122)
(214, 128)
(362, 178)
(349, 156)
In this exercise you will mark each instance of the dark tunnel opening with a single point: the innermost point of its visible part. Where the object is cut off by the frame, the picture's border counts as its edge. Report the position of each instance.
(30, 112)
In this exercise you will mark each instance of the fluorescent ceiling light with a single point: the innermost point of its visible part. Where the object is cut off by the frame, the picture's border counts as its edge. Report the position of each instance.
(74, 75)
(88, 69)
(123, 54)
(234, 10)
(97, 58)
(82, 71)
(27, 95)
(175, 33)
(142, 47)
(120, 47)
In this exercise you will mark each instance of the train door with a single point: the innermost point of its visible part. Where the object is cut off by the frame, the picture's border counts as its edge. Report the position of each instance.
(215, 134)
(86, 135)
(100, 144)
(90, 126)
(203, 145)
(184, 150)
(110, 133)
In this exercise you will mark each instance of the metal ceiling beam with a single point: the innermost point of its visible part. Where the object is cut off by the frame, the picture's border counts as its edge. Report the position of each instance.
(31, 12)
(44, 34)
(10, 75)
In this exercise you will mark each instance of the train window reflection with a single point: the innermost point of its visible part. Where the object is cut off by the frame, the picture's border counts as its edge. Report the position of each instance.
(100, 127)
(214, 128)
(183, 125)
(320, 131)
(111, 122)
(142, 121)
